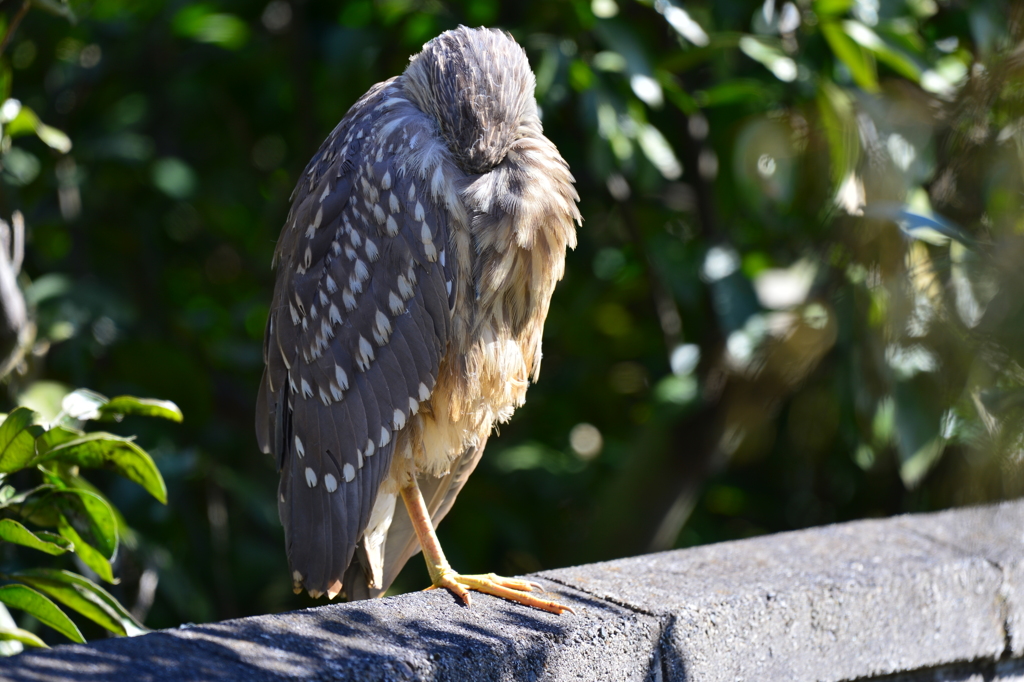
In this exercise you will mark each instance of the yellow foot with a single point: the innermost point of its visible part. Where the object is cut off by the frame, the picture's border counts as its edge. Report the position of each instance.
(506, 588)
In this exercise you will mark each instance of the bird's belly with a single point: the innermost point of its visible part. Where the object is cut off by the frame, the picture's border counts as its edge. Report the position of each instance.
(474, 391)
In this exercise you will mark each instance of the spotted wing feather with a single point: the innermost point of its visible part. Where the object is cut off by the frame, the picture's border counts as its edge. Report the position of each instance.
(360, 319)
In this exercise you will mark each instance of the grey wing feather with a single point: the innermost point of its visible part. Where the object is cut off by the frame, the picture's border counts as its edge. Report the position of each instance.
(339, 368)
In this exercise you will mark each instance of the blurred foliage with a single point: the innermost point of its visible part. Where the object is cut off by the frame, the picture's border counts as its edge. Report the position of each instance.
(796, 297)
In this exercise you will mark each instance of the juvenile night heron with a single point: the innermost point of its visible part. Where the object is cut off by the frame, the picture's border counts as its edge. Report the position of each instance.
(414, 273)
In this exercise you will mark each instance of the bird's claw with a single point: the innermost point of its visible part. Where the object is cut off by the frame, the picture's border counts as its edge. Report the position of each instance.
(512, 589)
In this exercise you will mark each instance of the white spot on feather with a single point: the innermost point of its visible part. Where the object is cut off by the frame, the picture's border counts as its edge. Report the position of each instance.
(385, 181)
(424, 391)
(334, 314)
(391, 227)
(399, 419)
(370, 448)
(414, 406)
(299, 448)
(310, 478)
(335, 391)
(365, 354)
(324, 398)
(332, 286)
(395, 304)
(307, 392)
(385, 436)
(341, 377)
(394, 204)
(349, 472)
(419, 213)
(349, 299)
(405, 288)
(331, 483)
(371, 251)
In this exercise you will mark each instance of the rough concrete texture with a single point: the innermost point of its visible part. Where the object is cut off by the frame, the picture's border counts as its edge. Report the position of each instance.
(420, 636)
(912, 599)
(995, 533)
(841, 602)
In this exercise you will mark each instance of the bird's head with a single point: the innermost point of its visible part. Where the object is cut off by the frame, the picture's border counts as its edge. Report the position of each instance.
(478, 86)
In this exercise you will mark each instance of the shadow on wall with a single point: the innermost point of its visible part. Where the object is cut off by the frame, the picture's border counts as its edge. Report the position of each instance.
(411, 637)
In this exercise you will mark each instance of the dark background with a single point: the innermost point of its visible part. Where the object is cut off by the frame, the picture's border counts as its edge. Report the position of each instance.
(733, 350)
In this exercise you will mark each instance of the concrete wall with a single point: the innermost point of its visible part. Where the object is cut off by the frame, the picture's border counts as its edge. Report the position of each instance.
(913, 598)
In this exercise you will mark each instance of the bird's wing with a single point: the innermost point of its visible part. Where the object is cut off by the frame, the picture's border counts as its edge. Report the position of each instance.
(359, 323)
(439, 492)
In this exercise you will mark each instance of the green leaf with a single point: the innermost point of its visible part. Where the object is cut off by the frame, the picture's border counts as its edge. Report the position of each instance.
(831, 8)
(202, 25)
(91, 510)
(777, 61)
(896, 60)
(118, 407)
(859, 62)
(839, 120)
(734, 91)
(86, 552)
(17, 440)
(52, 581)
(106, 450)
(27, 122)
(78, 598)
(30, 601)
(919, 439)
(51, 438)
(23, 636)
(12, 531)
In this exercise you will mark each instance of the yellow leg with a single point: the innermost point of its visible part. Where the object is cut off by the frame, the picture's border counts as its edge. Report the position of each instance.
(442, 574)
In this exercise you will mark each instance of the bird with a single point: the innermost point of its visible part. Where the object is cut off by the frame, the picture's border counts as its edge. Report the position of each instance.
(414, 273)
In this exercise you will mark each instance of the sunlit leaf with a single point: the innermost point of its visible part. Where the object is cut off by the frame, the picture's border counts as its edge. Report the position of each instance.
(12, 531)
(75, 596)
(896, 60)
(25, 122)
(55, 436)
(94, 512)
(831, 8)
(839, 120)
(17, 440)
(681, 21)
(46, 579)
(23, 636)
(89, 555)
(780, 64)
(123, 405)
(856, 59)
(203, 25)
(99, 449)
(83, 404)
(659, 152)
(44, 610)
